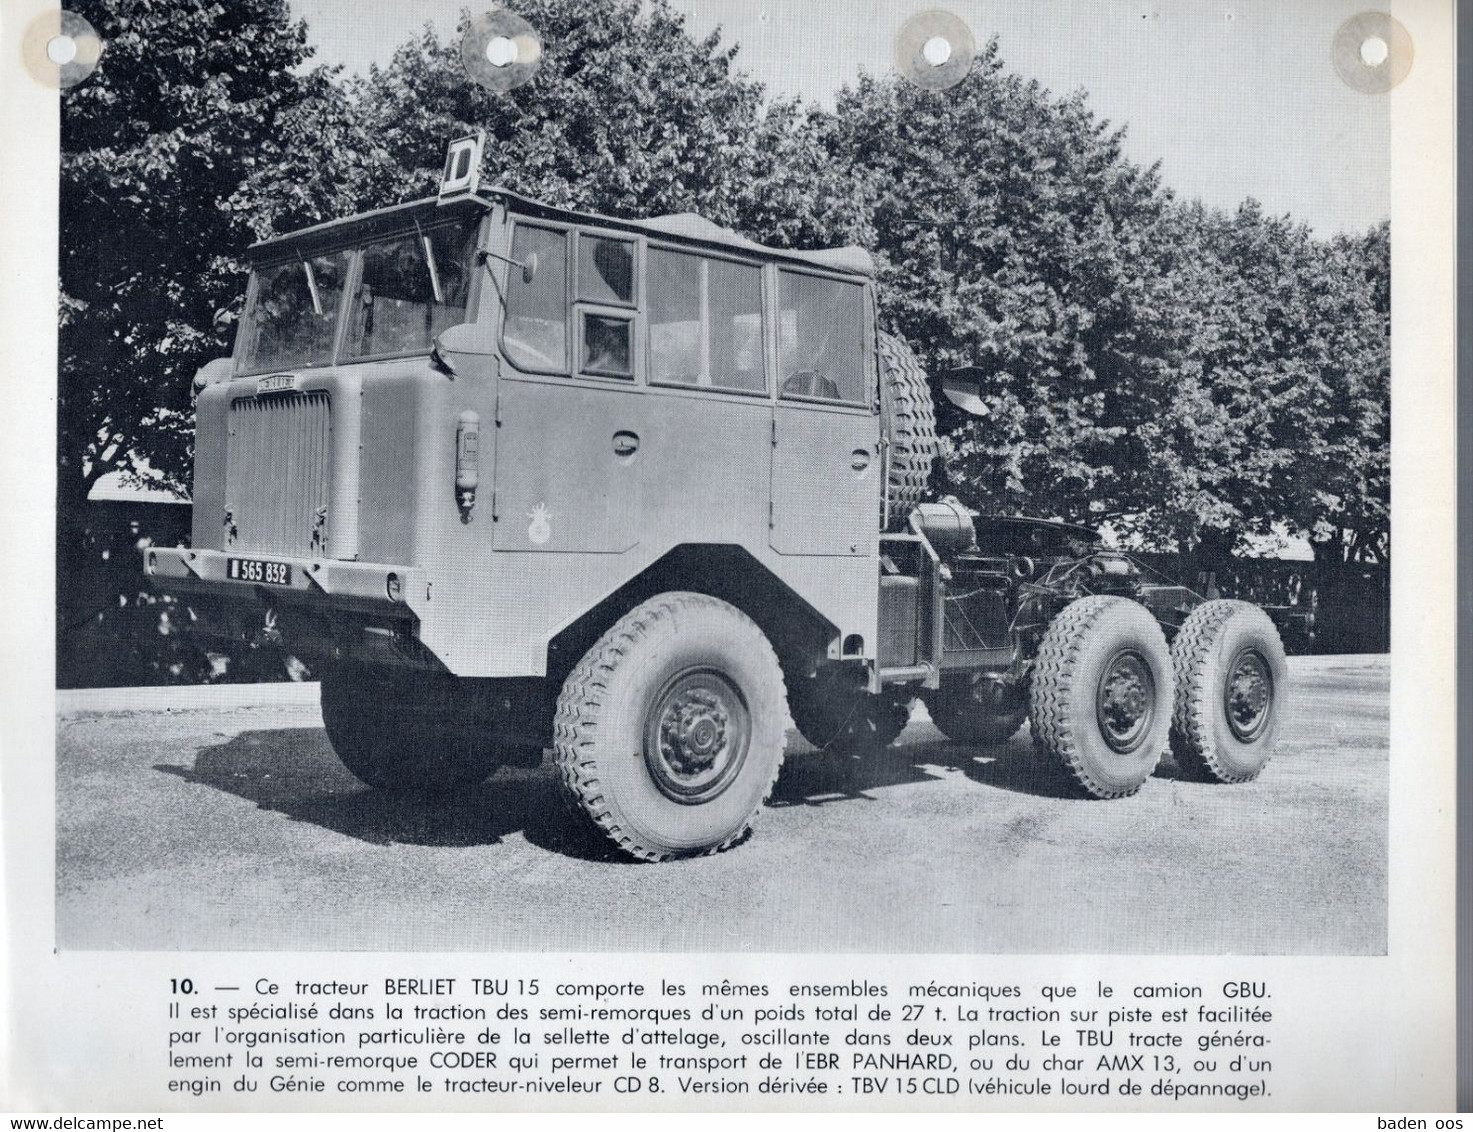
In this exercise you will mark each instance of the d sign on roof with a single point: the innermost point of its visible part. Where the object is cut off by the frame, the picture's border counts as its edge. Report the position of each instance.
(462, 174)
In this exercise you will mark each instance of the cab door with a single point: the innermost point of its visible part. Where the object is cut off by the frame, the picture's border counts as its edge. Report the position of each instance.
(566, 477)
(826, 470)
(569, 410)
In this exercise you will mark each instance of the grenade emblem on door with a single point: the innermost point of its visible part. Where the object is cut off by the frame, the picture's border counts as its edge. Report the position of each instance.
(539, 530)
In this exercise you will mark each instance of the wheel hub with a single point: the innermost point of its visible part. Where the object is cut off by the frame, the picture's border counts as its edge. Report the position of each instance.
(692, 731)
(1126, 701)
(696, 736)
(1248, 695)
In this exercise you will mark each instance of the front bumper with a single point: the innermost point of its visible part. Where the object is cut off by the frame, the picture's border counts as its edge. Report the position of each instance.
(331, 609)
(359, 585)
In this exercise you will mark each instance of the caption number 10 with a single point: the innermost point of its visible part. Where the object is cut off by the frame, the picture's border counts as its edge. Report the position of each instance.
(181, 986)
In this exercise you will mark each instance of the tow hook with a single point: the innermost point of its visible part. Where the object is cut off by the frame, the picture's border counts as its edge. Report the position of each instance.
(269, 633)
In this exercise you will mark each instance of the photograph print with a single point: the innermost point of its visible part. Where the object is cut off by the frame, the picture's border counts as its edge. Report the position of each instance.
(699, 475)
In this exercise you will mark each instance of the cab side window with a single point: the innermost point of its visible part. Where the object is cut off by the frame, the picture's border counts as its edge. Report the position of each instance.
(605, 280)
(605, 270)
(607, 346)
(821, 333)
(705, 319)
(535, 336)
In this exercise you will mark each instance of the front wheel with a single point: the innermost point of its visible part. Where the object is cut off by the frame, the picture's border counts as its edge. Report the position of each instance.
(669, 733)
(1231, 681)
(1100, 696)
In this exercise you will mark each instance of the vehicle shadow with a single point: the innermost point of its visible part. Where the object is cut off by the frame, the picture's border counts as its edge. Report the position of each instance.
(820, 777)
(293, 772)
(1013, 766)
(811, 777)
(814, 778)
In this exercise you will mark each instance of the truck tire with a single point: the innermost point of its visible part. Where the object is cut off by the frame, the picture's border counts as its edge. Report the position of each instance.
(1100, 695)
(834, 712)
(909, 423)
(390, 748)
(1231, 684)
(959, 716)
(691, 687)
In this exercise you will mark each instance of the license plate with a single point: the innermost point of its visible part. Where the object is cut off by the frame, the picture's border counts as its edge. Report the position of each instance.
(258, 570)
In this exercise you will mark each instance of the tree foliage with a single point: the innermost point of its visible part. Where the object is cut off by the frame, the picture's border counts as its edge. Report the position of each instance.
(1289, 370)
(1175, 372)
(627, 115)
(1015, 237)
(196, 135)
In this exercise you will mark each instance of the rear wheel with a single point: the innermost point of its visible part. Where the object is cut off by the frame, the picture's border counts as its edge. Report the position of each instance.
(1100, 697)
(391, 732)
(1231, 680)
(669, 732)
(834, 711)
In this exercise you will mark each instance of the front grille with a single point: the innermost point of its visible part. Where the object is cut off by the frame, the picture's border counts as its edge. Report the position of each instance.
(278, 474)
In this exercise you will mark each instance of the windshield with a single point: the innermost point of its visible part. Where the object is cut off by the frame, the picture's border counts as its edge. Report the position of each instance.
(293, 316)
(412, 287)
(409, 288)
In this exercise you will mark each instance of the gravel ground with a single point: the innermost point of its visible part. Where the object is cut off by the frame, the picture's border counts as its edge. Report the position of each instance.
(192, 821)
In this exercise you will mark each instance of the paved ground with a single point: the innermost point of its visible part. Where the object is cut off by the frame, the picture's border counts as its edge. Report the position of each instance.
(234, 827)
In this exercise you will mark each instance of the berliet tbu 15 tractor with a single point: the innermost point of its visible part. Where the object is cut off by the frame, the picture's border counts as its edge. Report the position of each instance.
(508, 476)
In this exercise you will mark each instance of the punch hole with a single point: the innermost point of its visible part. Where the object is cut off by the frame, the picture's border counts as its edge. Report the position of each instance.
(501, 51)
(60, 49)
(1372, 52)
(937, 50)
(934, 50)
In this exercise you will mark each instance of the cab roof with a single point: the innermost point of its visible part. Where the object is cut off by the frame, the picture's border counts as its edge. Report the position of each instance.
(365, 225)
(682, 227)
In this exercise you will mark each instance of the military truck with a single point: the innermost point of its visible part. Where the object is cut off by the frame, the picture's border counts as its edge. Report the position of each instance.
(509, 476)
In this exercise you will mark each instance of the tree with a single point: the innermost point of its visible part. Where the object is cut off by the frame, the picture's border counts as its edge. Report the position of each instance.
(1175, 372)
(627, 114)
(184, 146)
(195, 136)
(1352, 492)
(1288, 374)
(1014, 235)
